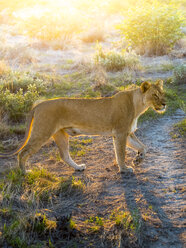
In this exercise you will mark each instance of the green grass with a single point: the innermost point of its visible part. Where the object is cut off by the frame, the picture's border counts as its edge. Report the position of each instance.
(25, 231)
(165, 67)
(79, 147)
(38, 186)
(35, 191)
(180, 127)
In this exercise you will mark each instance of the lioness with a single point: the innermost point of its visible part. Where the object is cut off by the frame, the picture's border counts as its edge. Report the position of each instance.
(114, 116)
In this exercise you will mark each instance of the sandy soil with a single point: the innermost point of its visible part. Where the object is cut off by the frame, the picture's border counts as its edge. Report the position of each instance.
(156, 189)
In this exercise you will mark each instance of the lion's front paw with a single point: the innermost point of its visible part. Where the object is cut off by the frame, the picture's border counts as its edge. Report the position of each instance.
(139, 158)
(126, 169)
(81, 167)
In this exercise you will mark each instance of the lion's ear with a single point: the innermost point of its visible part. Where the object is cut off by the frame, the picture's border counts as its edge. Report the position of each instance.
(160, 83)
(145, 86)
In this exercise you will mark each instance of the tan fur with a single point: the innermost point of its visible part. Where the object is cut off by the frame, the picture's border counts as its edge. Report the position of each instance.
(114, 116)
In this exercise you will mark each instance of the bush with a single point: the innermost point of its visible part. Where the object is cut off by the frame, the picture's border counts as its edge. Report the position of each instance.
(115, 61)
(153, 28)
(15, 105)
(16, 80)
(180, 74)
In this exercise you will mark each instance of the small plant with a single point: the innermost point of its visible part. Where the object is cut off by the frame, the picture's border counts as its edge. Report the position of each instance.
(180, 74)
(129, 221)
(95, 223)
(97, 220)
(153, 27)
(180, 127)
(115, 61)
(6, 212)
(72, 224)
(72, 185)
(42, 224)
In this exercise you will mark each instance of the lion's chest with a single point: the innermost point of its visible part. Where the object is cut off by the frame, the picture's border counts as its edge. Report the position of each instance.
(134, 125)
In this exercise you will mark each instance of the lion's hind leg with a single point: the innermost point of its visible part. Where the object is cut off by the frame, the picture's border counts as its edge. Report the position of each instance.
(62, 140)
(38, 137)
(32, 146)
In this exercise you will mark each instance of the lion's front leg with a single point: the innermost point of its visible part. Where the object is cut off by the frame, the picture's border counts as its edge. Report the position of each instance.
(119, 142)
(134, 143)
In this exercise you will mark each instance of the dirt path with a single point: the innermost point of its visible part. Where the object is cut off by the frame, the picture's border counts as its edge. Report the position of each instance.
(164, 190)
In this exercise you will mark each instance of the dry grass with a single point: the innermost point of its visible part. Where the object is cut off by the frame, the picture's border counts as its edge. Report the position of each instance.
(4, 68)
(182, 43)
(93, 35)
(61, 43)
(18, 54)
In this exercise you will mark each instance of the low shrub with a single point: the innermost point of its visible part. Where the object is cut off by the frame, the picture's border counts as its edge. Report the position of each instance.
(15, 80)
(16, 105)
(116, 61)
(180, 74)
(153, 27)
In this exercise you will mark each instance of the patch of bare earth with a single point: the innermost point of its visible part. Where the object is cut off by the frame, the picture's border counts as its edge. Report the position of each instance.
(155, 190)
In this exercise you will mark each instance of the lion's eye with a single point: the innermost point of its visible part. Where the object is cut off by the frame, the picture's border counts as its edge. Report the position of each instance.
(156, 96)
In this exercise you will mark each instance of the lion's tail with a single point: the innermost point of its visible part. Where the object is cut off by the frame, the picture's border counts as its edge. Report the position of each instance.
(27, 135)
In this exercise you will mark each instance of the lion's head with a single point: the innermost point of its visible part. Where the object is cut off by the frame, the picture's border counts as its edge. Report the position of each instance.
(154, 95)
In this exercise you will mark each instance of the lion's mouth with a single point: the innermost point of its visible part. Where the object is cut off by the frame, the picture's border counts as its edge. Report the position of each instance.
(161, 110)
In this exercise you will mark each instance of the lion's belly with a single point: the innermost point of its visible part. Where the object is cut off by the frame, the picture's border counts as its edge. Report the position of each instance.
(87, 131)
